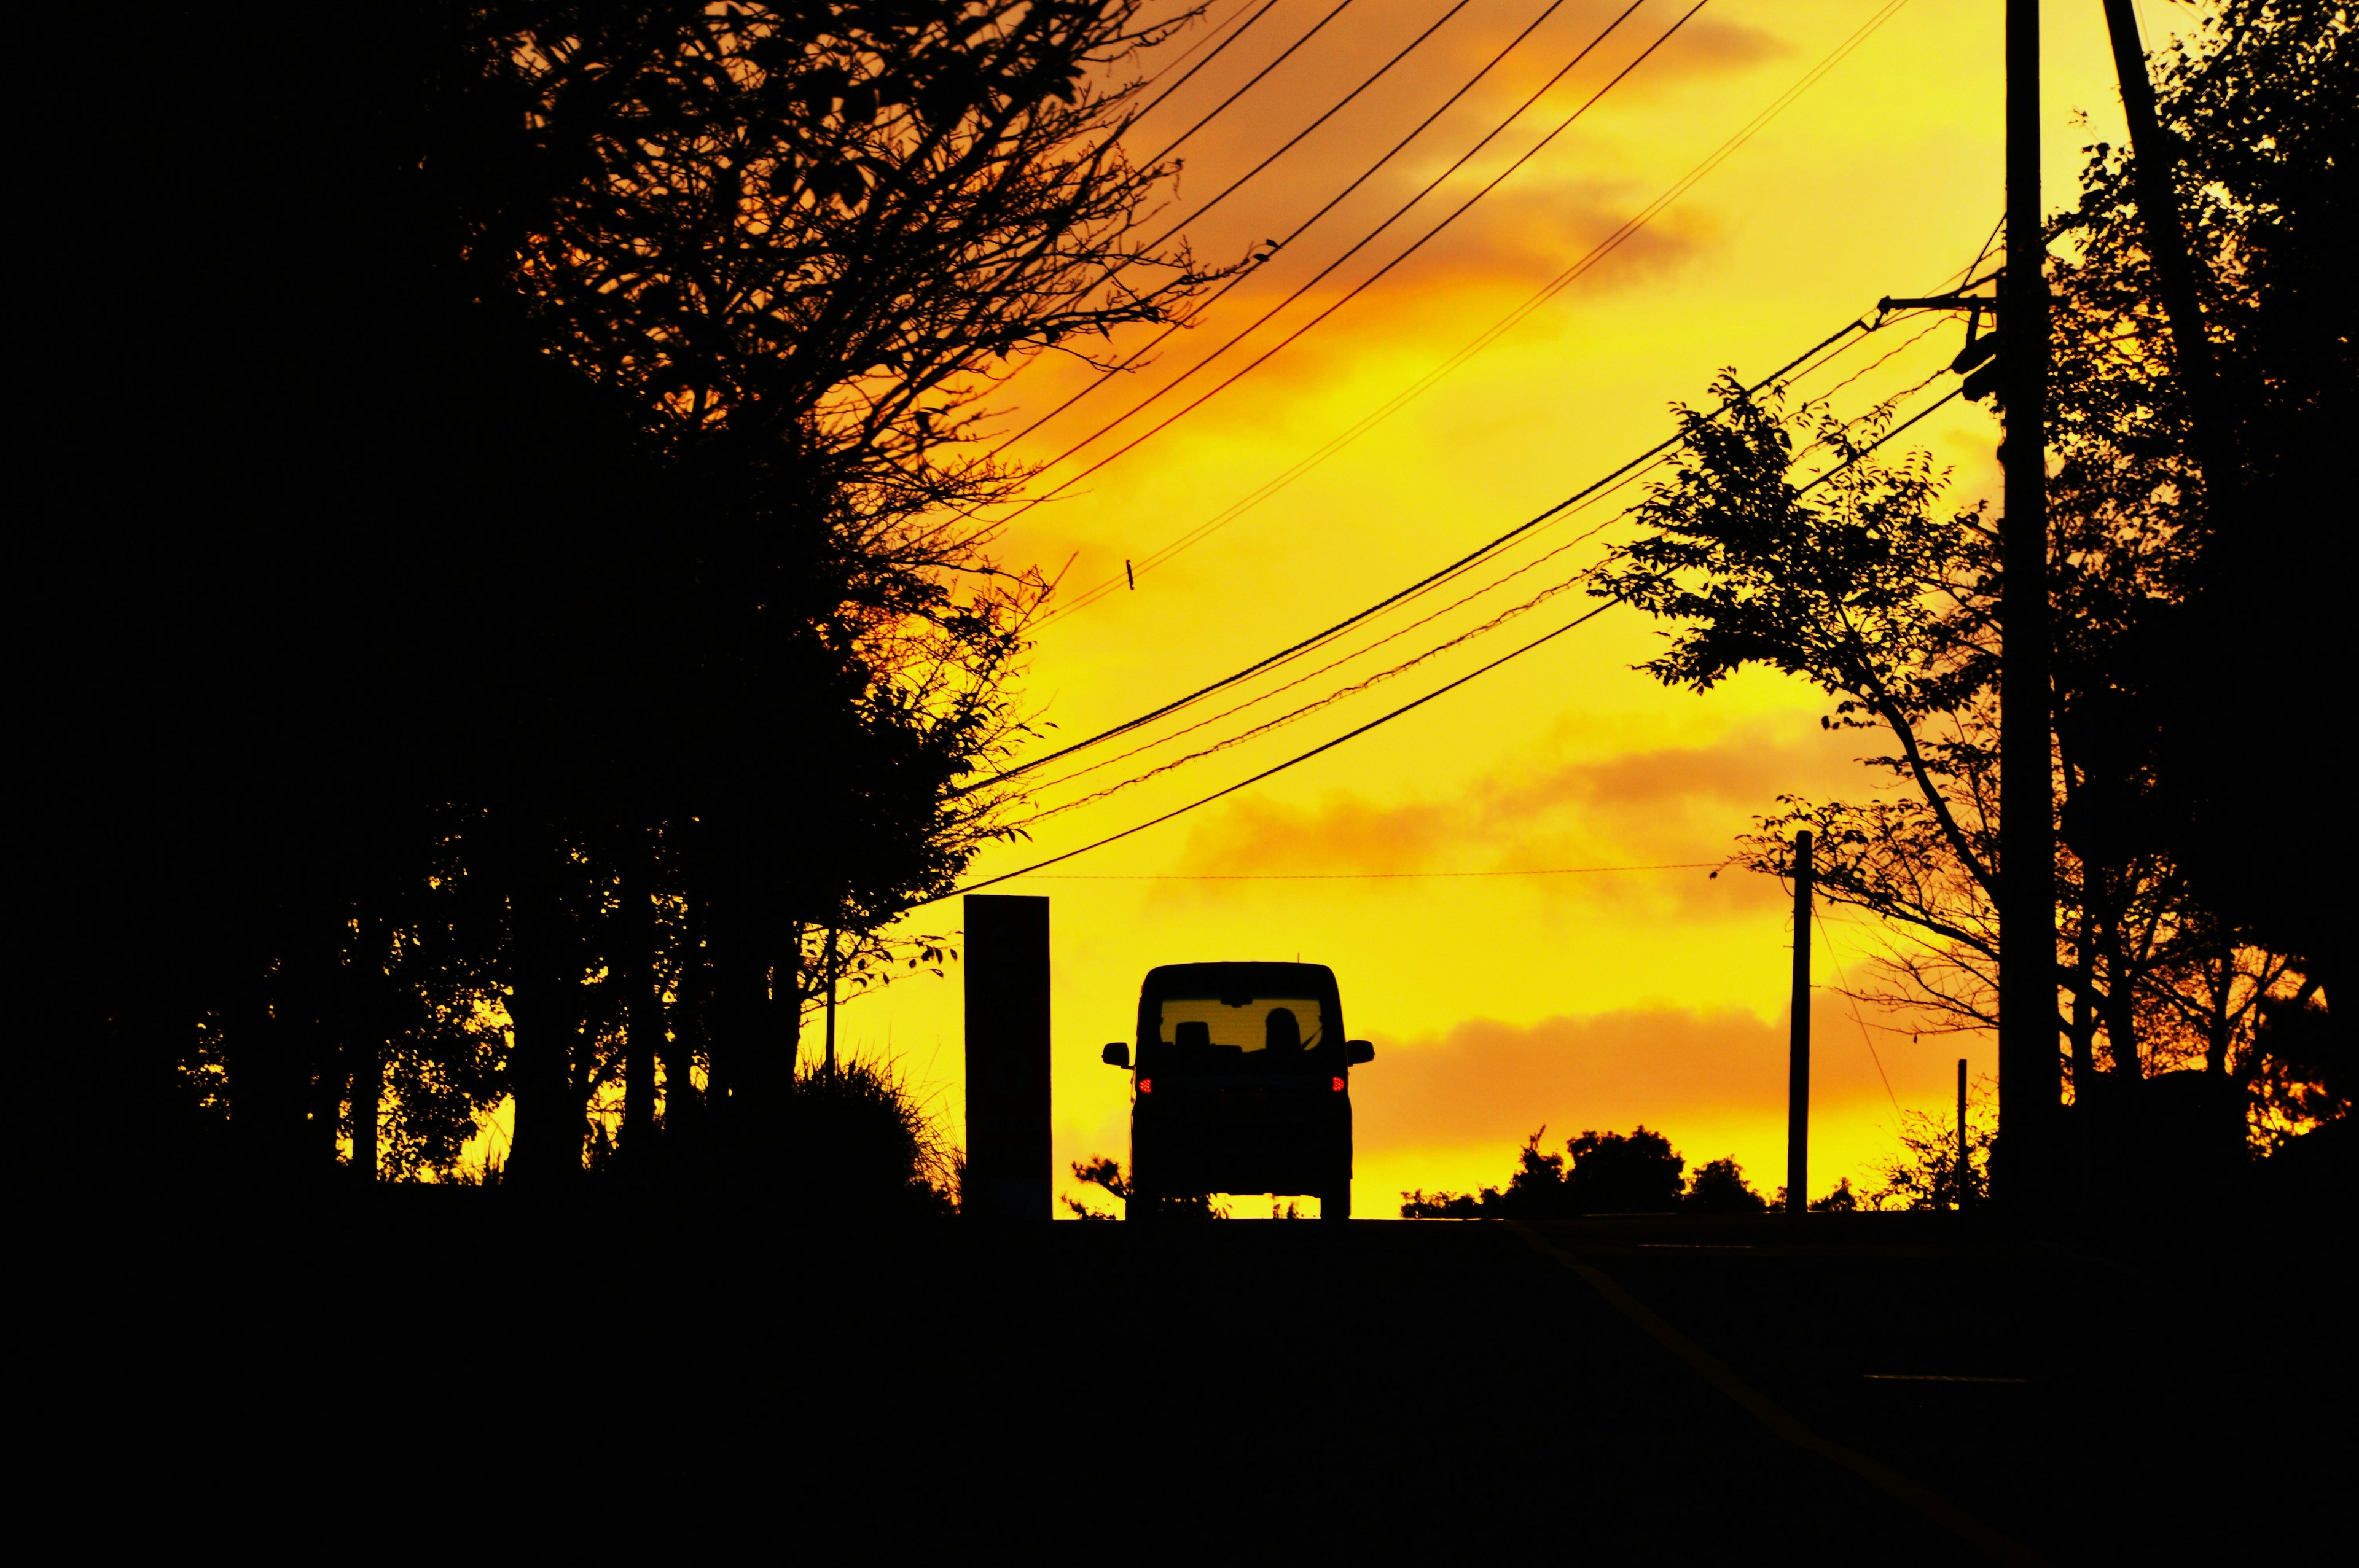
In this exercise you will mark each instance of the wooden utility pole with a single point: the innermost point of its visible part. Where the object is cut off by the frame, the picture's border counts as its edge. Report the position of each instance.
(831, 1001)
(2029, 1081)
(1965, 1160)
(1797, 1051)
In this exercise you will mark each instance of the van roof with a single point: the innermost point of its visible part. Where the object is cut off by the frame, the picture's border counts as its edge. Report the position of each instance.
(1238, 978)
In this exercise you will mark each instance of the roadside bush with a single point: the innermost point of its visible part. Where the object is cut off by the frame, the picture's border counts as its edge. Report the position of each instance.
(858, 1141)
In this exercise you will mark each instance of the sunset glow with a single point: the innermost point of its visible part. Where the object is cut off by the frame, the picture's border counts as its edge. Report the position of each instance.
(1462, 869)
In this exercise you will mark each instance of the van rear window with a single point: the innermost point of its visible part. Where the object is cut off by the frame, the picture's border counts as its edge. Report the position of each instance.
(1258, 1034)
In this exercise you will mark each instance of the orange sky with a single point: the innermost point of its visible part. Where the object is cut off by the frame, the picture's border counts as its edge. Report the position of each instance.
(1498, 1003)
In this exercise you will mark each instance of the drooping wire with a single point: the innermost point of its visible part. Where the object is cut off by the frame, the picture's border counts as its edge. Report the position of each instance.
(1152, 103)
(1222, 106)
(1377, 722)
(1330, 112)
(1352, 293)
(1398, 633)
(1853, 1003)
(1556, 286)
(1299, 230)
(1396, 713)
(1443, 574)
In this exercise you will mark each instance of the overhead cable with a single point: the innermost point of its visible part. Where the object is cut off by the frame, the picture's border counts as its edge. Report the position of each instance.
(1513, 612)
(1152, 103)
(1477, 554)
(1548, 291)
(1271, 773)
(1330, 111)
(1197, 313)
(1221, 107)
(1347, 297)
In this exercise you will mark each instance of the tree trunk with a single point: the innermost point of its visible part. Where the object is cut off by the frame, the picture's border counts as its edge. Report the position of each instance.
(642, 1007)
(369, 1021)
(545, 1149)
(2085, 1020)
(683, 1106)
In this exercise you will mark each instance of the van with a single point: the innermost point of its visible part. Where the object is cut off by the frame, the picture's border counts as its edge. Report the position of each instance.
(1242, 1083)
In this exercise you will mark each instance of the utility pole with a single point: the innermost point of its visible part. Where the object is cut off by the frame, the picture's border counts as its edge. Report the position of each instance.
(1798, 1050)
(2030, 1084)
(1965, 1160)
(831, 1001)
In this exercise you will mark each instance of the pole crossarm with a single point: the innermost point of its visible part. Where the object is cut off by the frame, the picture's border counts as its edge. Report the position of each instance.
(1888, 305)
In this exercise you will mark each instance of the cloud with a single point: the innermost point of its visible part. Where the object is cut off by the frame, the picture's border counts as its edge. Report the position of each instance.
(1485, 1082)
(1666, 803)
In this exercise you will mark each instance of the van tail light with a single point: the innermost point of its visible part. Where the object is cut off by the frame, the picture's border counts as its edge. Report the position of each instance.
(1146, 1085)
(1339, 1086)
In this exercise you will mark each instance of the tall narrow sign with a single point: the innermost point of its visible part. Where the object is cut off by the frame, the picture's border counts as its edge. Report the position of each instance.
(1008, 1161)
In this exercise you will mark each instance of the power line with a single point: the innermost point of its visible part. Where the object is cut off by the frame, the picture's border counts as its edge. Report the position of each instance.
(1853, 1003)
(1406, 707)
(1534, 602)
(1299, 230)
(1400, 400)
(1366, 876)
(1271, 773)
(1208, 59)
(1526, 605)
(1221, 107)
(1354, 293)
(1477, 554)
(1308, 675)
(1947, 397)
(1333, 110)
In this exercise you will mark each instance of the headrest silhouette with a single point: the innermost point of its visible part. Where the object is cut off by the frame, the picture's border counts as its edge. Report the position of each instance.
(1196, 1031)
(1285, 1032)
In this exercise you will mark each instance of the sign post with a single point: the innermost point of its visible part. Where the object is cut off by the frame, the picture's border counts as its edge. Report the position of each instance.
(1008, 1160)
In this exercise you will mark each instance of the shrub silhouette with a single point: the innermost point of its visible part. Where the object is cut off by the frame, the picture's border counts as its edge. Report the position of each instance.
(1718, 1186)
(1611, 1173)
(856, 1140)
(1105, 1171)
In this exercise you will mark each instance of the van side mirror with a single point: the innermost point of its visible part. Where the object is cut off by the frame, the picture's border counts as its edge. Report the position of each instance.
(1116, 1054)
(1359, 1051)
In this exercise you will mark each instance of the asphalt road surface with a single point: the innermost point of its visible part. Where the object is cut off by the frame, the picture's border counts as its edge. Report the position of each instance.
(1886, 1389)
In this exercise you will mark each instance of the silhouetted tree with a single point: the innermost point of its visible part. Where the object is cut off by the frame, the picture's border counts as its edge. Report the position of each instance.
(1610, 1172)
(1718, 1186)
(1865, 588)
(1925, 1174)
(543, 486)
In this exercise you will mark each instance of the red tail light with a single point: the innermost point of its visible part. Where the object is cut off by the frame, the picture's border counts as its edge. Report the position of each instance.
(1146, 1085)
(1339, 1086)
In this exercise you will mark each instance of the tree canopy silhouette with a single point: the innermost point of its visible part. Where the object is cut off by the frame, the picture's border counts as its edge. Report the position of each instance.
(2174, 942)
(538, 621)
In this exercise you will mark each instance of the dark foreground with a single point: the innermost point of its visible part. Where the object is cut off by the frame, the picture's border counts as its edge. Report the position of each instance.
(1889, 1388)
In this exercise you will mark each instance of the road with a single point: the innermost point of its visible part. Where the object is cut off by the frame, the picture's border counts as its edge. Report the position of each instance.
(1887, 1389)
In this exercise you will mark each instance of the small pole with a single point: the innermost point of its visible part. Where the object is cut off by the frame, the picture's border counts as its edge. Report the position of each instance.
(831, 1001)
(1797, 1074)
(1965, 1162)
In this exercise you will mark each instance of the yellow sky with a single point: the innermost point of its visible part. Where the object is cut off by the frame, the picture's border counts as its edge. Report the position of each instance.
(1498, 1003)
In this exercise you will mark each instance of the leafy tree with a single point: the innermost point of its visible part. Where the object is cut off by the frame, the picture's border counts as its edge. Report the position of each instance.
(561, 511)
(2258, 119)
(1718, 1186)
(1926, 1173)
(1610, 1172)
(1842, 1200)
(1862, 584)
